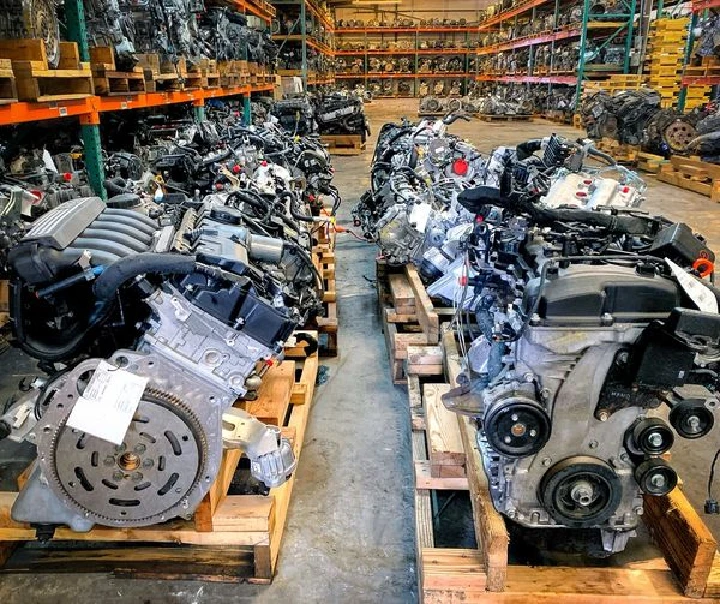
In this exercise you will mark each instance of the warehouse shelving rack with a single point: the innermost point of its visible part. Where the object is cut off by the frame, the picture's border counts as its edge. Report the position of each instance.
(90, 108)
(416, 52)
(590, 25)
(306, 40)
(697, 7)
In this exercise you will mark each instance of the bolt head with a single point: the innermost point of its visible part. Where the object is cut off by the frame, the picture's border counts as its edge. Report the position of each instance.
(658, 480)
(655, 439)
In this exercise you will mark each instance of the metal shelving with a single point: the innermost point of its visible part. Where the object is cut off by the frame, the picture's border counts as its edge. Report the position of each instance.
(697, 7)
(586, 30)
(307, 40)
(416, 51)
(89, 109)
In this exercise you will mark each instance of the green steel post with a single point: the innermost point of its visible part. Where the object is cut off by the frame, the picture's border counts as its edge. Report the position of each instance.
(247, 111)
(531, 50)
(686, 59)
(199, 114)
(581, 58)
(92, 147)
(303, 33)
(628, 37)
(93, 159)
(75, 23)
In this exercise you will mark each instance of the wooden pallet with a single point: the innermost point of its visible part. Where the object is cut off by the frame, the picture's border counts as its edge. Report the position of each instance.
(408, 318)
(36, 81)
(327, 325)
(489, 117)
(648, 162)
(162, 74)
(343, 144)
(693, 175)
(683, 567)
(108, 81)
(8, 88)
(621, 152)
(234, 538)
(203, 74)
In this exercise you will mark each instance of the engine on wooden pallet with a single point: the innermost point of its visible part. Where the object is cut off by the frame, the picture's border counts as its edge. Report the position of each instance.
(295, 115)
(178, 306)
(33, 19)
(589, 316)
(634, 117)
(588, 320)
(622, 116)
(339, 113)
(416, 173)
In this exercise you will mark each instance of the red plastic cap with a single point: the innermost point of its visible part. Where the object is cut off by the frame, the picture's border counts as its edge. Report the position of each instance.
(218, 187)
(236, 169)
(460, 167)
(587, 181)
(626, 189)
(263, 163)
(704, 267)
(581, 194)
(67, 176)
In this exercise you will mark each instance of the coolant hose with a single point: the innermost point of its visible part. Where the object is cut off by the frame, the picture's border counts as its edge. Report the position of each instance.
(289, 196)
(118, 273)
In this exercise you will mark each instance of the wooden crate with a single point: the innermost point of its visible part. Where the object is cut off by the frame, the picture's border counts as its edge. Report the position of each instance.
(203, 74)
(108, 81)
(36, 81)
(683, 567)
(693, 175)
(343, 144)
(233, 538)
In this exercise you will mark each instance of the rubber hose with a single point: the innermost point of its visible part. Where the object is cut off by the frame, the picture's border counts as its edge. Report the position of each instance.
(107, 284)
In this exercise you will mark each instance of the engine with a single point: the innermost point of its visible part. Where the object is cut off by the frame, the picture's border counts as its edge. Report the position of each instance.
(153, 314)
(416, 174)
(588, 331)
(564, 379)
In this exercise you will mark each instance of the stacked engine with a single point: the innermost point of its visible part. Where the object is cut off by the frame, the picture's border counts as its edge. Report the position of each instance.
(580, 320)
(155, 312)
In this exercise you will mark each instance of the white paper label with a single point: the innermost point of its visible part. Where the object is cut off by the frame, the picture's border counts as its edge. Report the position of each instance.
(108, 404)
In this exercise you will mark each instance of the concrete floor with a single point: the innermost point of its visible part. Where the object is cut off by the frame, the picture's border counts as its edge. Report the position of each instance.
(349, 536)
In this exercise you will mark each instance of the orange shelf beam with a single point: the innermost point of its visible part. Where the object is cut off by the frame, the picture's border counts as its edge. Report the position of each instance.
(16, 113)
(329, 25)
(511, 12)
(89, 108)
